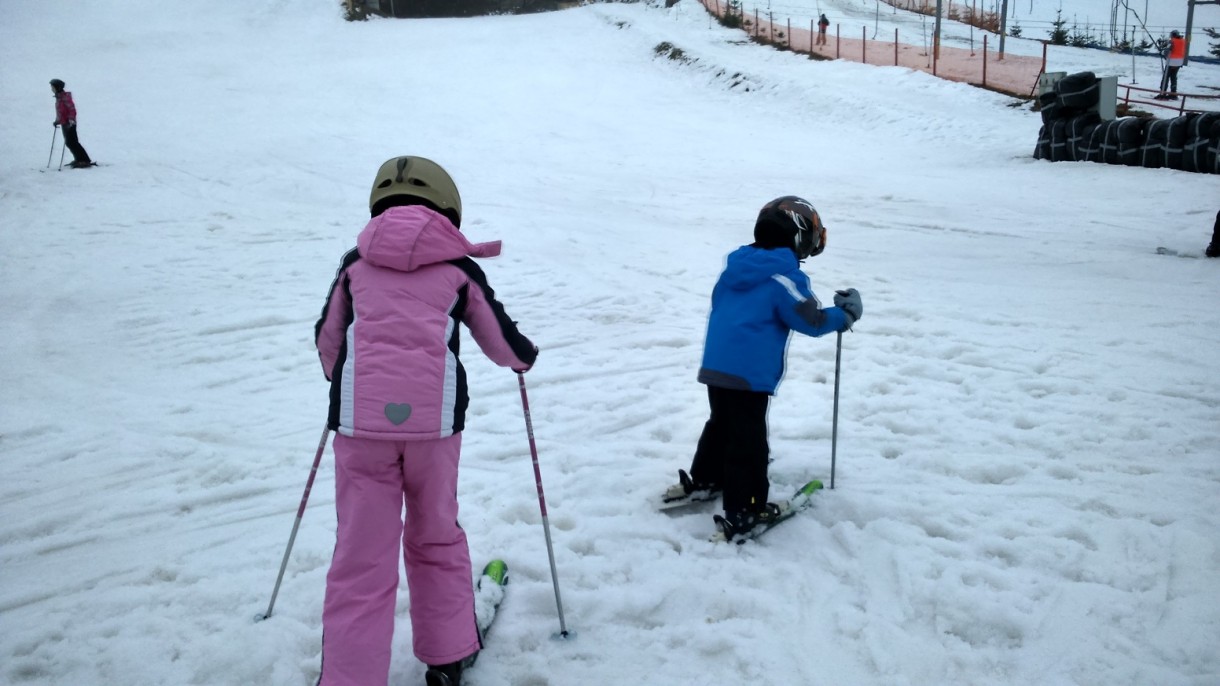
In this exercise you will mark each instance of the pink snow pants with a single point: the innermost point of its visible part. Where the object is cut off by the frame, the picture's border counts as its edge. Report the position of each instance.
(372, 479)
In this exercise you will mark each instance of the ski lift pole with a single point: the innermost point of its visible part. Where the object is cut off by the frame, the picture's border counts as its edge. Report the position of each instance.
(1003, 27)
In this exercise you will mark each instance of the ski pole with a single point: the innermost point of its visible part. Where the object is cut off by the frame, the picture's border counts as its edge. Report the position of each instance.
(51, 154)
(317, 459)
(62, 150)
(546, 523)
(834, 430)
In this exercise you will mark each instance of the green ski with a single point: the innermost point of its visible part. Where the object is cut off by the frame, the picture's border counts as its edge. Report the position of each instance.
(488, 594)
(801, 500)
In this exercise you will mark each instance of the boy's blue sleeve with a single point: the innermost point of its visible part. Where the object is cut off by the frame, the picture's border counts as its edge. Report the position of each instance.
(800, 308)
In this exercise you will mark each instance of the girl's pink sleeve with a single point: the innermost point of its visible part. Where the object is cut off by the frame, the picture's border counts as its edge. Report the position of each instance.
(490, 325)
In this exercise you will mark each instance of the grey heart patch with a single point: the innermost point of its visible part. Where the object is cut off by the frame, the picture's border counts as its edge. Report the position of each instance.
(397, 413)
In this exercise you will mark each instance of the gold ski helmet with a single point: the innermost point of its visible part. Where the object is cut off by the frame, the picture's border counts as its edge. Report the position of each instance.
(417, 177)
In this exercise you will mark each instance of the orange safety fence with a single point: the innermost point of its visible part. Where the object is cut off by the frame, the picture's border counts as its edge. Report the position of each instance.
(1013, 74)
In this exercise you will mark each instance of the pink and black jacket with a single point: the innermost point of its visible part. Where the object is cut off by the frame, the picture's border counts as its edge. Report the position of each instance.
(388, 337)
(65, 109)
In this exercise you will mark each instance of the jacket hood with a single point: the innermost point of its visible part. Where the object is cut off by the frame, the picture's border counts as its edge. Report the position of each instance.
(409, 237)
(749, 266)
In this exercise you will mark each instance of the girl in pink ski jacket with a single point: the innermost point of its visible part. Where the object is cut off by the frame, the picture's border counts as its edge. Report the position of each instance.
(388, 336)
(388, 342)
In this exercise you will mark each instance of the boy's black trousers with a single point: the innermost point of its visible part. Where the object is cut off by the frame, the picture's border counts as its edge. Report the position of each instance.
(733, 450)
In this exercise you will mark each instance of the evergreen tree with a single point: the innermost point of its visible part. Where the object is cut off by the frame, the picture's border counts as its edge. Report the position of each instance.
(732, 15)
(1059, 34)
(1077, 38)
(1214, 50)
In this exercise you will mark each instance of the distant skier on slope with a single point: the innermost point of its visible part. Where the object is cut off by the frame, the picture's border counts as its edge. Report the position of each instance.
(65, 117)
(761, 297)
(388, 341)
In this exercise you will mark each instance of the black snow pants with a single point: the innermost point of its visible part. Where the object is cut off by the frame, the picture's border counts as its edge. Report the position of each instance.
(78, 151)
(733, 449)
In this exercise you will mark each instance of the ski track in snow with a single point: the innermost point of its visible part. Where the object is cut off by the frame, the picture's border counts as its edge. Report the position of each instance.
(1029, 418)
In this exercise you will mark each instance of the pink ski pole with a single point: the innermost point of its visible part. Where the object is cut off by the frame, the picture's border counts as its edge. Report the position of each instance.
(51, 154)
(317, 459)
(546, 523)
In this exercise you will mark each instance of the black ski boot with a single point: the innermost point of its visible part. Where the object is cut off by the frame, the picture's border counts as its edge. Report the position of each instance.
(741, 523)
(1213, 250)
(444, 675)
(686, 489)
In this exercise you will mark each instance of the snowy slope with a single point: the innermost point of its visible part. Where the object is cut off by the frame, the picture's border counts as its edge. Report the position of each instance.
(1029, 437)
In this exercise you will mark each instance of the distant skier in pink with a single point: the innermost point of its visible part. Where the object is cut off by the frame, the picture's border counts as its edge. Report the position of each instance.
(65, 117)
(388, 340)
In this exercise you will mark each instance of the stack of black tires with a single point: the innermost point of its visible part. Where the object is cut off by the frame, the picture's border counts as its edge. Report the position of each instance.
(1073, 131)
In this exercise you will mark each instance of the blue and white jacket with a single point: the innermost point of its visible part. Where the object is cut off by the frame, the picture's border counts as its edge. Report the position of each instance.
(760, 299)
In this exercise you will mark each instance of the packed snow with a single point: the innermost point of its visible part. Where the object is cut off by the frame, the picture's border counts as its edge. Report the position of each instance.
(1028, 451)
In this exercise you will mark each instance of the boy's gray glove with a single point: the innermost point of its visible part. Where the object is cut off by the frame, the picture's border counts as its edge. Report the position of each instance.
(849, 302)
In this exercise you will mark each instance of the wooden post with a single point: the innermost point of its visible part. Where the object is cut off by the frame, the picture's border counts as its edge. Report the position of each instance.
(936, 39)
(984, 60)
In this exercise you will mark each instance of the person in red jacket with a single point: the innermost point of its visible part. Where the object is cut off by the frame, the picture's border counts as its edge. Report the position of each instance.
(1177, 58)
(65, 116)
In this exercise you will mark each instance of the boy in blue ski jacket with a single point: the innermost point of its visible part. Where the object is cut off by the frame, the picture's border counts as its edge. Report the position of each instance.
(761, 297)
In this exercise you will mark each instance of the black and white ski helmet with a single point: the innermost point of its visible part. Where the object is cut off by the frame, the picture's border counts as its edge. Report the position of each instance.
(790, 222)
